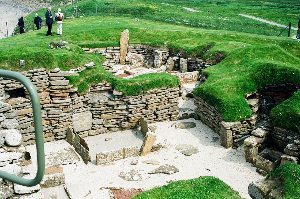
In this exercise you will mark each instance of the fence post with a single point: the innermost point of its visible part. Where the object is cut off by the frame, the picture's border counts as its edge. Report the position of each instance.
(289, 31)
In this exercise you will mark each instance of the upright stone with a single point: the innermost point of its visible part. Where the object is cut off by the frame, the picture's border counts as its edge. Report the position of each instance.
(124, 45)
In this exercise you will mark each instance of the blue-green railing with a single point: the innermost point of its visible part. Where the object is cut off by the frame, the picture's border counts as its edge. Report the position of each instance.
(39, 138)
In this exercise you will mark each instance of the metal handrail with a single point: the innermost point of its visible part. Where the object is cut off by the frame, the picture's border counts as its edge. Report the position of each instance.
(39, 138)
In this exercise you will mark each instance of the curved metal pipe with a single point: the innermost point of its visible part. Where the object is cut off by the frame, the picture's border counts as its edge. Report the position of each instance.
(39, 137)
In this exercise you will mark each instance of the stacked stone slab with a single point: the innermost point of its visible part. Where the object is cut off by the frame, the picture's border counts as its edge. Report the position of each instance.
(231, 133)
(59, 111)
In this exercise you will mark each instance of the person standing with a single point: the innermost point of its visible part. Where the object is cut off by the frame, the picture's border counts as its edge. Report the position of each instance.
(59, 18)
(37, 21)
(49, 21)
(21, 25)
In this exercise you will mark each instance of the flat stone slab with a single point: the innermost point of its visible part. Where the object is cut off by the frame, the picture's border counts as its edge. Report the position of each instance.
(113, 142)
(62, 157)
(132, 175)
(187, 149)
(185, 125)
(165, 169)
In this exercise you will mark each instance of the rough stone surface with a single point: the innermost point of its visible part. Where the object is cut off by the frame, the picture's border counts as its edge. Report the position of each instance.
(187, 149)
(13, 137)
(19, 189)
(148, 143)
(132, 175)
(165, 169)
(82, 121)
(124, 46)
(186, 125)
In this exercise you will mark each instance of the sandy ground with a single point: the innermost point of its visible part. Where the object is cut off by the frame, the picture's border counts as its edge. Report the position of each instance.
(91, 181)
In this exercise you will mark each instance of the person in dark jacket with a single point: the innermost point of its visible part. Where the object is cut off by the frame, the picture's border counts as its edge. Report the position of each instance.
(21, 25)
(49, 21)
(37, 21)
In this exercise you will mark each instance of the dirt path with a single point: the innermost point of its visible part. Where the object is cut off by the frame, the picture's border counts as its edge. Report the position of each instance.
(265, 21)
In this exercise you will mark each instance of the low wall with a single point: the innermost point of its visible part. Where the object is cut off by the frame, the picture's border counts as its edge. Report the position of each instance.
(102, 109)
(231, 133)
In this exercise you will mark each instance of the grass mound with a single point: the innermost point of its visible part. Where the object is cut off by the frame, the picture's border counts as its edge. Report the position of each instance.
(289, 175)
(203, 187)
(251, 61)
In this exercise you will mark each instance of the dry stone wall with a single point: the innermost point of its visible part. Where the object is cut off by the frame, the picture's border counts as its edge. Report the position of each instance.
(101, 110)
(231, 133)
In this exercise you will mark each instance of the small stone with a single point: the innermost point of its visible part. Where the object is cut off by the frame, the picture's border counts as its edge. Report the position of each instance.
(259, 132)
(187, 149)
(90, 65)
(132, 175)
(165, 169)
(13, 137)
(134, 162)
(152, 162)
(185, 125)
(10, 123)
(19, 189)
(107, 139)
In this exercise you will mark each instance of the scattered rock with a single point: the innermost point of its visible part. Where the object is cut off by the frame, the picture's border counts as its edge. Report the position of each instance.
(132, 175)
(134, 162)
(185, 125)
(187, 149)
(13, 137)
(165, 169)
(152, 162)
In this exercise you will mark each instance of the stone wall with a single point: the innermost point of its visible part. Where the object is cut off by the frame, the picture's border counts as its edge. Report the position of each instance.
(231, 133)
(150, 57)
(102, 109)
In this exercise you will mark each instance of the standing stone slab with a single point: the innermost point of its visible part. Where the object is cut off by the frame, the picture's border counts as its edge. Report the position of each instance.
(124, 45)
(82, 121)
(148, 143)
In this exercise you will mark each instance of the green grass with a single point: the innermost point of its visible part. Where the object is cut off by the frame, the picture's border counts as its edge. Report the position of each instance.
(203, 187)
(251, 61)
(128, 87)
(288, 119)
(211, 14)
(289, 175)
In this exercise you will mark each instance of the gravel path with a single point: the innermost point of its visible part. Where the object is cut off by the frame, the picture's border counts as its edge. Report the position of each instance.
(265, 21)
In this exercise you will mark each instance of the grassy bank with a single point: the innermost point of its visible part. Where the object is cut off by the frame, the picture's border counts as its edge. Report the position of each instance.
(251, 61)
(289, 176)
(204, 188)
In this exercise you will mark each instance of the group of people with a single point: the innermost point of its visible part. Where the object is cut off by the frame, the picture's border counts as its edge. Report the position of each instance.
(59, 16)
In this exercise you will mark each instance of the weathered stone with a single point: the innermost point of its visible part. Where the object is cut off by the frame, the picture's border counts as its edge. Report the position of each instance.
(144, 126)
(185, 125)
(132, 175)
(287, 159)
(82, 121)
(251, 153)
(259, 132)
(37, 195)
(226, 138)
(165, 169)
(6, 191)
(152, 162)
(187, 149)
(124, 45)
(260, 189)
(148, 143)
(53, 180)
(13, 137)
(10, 123)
